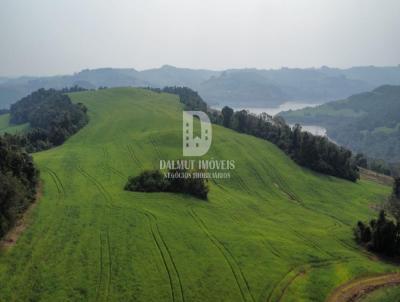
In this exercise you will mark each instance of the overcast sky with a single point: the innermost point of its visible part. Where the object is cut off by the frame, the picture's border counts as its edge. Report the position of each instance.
(45, 37)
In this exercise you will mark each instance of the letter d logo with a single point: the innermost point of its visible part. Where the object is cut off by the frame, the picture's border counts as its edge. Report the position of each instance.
(196, 146)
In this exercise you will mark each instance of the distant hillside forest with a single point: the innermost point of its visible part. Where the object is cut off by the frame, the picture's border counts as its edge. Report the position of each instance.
(233, 87)
(314, 152)
(367, 122)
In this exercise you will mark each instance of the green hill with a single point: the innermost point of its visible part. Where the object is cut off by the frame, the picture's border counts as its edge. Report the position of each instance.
(273, 232)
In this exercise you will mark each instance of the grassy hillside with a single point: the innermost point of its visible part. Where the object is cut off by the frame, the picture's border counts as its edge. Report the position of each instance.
(273, 232)
(6, 127)
(386, 294)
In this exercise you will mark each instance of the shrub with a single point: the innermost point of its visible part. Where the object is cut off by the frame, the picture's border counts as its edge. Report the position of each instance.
(147, 181)
(155, 181)
(380, 236)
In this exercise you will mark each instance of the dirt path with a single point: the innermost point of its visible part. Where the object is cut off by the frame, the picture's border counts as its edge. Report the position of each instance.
(376, 177)
(354, 290)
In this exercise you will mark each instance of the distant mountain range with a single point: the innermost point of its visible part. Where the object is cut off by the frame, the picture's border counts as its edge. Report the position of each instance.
(234, 87)
(367, 122)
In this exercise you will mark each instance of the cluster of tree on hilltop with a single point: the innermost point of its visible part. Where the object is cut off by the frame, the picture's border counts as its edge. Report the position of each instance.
(52, 118)
(18, 182)
(188, 97)
(382, 235)
(75, 88)
(156, 181)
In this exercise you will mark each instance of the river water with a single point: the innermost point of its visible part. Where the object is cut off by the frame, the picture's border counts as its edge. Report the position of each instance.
(316, 130)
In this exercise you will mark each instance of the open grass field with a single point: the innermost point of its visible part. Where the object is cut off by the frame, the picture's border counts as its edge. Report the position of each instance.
(5, 127)
(273, 232)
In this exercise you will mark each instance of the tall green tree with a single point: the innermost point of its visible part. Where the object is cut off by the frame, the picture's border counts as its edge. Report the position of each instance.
(227, 114)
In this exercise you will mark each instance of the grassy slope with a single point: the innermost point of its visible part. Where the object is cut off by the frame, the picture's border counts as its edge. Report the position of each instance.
(387, 294)
(273, 232)
(5, 127)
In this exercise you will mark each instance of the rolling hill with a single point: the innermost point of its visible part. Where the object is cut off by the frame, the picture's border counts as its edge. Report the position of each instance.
(272, 232)
(11, 90)
(232, 87)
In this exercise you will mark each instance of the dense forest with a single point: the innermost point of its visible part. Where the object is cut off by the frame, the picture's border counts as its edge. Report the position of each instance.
(52, 118)
(314, 152)
(18, 181)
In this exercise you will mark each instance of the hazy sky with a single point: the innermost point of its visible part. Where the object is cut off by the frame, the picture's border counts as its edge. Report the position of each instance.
(43, 37)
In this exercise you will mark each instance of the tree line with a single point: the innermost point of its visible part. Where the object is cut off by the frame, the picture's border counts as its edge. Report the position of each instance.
(18, 182)
(314, 152)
